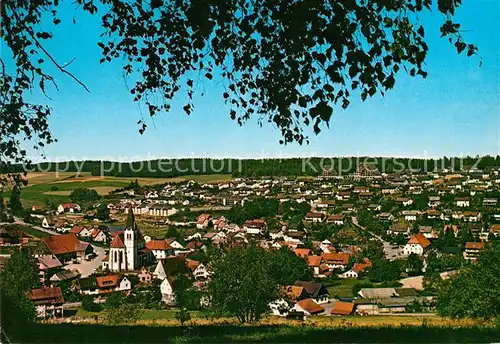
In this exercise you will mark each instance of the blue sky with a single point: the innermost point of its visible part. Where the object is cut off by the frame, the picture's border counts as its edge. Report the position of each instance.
(455, 111)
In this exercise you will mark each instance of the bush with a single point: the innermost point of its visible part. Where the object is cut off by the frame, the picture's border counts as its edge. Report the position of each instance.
(125, 313)
(182, 315)
(89, 305)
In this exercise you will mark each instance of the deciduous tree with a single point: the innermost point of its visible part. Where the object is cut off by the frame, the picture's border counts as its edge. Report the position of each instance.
(286, 63)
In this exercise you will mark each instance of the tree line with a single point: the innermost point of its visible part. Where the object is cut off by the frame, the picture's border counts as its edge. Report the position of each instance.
(258, 167)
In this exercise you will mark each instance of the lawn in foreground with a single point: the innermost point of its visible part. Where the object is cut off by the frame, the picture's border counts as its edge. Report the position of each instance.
(275, 333)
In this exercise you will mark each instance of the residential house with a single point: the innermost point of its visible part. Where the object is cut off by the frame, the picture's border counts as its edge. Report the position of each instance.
(399, 228)
(145, 276)
(449, 227)
(203, 221)
(337, 219)
(88, 286)
(314, 217)
(404, 201)
(410, 215)
(65, 247)
(308, 307)
(302, 252)
(385, 217)
(495, 230)
(201, 272)
(113, 283)
(166, 289)
(81, 231)
(48, 301)
(336, 260)
(255, 227)
(473, 250)
(462, 201)
(434, 201)
(417, 244)
(47, 265)
(342, 308)
(68, 208)
(64, 275)
(316, 291)
(48, 222)
(159, 210)
(428, 231)
(471, 216)
(98, 235)
(160, 249)
(357, 269)
(490, 202)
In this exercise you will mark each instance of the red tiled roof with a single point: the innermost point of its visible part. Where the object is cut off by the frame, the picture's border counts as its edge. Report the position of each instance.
(293, 292)
(340, 258)
(302, 252)
(64, 243)
(495, 228)
(117, 242)
(44, 295)
(420, 239)
(107, 281)
(156, 245)
(310, 306)
(68, 205)
(360, 267)
(77, 229)
(474, 245)
(342, 308)
(192, 264)
(314, 260)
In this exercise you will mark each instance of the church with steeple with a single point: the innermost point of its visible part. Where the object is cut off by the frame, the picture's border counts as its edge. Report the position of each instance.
(128, 251)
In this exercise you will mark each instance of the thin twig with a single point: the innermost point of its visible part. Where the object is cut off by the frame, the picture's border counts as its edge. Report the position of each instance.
(61, 68)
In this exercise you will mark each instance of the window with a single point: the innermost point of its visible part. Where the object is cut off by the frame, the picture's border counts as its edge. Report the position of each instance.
(115, 257)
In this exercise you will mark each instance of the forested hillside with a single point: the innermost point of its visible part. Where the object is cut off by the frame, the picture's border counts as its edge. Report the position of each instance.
(262, 167)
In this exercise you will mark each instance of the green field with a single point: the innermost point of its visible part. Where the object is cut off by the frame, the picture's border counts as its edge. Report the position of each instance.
(34, 232)
(147, 314)
(56, 187)
(342, 287)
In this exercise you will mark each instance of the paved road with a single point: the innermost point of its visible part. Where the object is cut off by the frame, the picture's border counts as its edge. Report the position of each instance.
(390, 252)
(86, 267)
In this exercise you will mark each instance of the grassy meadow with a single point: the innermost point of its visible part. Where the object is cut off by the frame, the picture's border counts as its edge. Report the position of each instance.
(57, 187)
(392, 329)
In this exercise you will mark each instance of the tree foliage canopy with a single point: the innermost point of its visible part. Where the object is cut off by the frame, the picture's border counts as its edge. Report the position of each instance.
(247, 278)
(285, 62)
(474, 292)
(17, 278)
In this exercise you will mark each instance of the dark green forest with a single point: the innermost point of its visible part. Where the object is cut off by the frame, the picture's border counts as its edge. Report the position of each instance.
(262, 167)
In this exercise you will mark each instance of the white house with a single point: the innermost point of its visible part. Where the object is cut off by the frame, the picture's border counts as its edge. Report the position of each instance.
(48, 222)
(99, 235)
(255, 227)
(336, 219)
(160, 249)
(462, 201)
(167, 292)
(411, 215)
(201, 272)
(417, 244)
(68, 208)
(166, 289)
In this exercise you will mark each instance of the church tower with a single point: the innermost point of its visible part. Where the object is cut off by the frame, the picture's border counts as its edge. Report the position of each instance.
(131, 235)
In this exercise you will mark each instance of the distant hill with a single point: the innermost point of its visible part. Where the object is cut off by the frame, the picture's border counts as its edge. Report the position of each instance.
(262, 167)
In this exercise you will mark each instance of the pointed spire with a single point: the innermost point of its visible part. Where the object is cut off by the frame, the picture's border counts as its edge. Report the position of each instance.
(130, 218)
